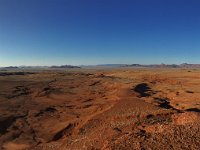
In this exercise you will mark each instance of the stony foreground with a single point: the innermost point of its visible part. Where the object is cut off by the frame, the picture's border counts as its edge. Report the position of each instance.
(100, 109)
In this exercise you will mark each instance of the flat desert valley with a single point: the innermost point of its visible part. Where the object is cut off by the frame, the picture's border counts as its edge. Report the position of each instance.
(91, 109)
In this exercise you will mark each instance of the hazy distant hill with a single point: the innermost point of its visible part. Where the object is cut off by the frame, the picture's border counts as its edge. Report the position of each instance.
(154, 66)
(185, 65)
(65, 66)
(39, 67)
(10, 67)
(110, 65)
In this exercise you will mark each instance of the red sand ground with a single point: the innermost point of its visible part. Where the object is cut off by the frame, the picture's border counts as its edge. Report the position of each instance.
(100, 109)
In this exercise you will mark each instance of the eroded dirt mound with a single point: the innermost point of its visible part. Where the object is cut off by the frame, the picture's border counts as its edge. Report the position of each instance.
(186, 118)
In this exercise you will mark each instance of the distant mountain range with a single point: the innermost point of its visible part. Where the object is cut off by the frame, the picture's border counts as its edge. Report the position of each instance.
(11, 67)
(154, 66)
(40, 67)
(184, 65)
(65, 66)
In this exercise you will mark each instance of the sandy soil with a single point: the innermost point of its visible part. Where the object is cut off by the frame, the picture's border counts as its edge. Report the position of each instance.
(140, 109)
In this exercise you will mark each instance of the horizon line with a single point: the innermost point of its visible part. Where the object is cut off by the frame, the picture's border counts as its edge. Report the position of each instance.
(178, 64)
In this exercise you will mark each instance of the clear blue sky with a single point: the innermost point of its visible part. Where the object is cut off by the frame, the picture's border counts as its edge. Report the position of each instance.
(54, 32)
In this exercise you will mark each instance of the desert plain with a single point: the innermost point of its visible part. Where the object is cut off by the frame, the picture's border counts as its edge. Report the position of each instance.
(91, 109)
